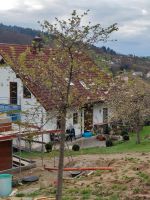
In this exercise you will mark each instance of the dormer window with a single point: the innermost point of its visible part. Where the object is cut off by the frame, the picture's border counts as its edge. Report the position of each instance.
(2, 62)
(84, 85)
(70, 82)
(17, 76)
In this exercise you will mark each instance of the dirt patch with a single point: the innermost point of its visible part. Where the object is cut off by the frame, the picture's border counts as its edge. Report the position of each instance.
(129, 179)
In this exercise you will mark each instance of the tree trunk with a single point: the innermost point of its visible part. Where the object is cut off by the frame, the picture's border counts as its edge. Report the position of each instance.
(138, 139)
(61, 156)
(30, 146)
(62, 138)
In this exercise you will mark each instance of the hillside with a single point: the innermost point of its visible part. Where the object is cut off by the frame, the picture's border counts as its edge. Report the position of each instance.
(16, 35)
(106, 57)
(117, 63)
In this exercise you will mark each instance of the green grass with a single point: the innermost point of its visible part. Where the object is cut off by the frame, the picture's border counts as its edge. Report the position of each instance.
(119, 147)
(49, 191)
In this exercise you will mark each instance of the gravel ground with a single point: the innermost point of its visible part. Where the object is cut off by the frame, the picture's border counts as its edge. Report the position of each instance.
(87, 142)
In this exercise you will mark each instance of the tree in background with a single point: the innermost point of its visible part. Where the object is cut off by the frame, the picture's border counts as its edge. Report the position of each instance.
(129, 99)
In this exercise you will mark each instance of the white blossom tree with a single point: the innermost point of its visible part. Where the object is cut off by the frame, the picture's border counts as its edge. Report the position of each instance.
(129, 99)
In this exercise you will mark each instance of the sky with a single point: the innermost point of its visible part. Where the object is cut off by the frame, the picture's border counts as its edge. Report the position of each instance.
(132, 16)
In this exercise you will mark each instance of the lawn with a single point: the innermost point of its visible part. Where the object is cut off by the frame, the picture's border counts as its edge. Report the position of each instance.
(118, 147)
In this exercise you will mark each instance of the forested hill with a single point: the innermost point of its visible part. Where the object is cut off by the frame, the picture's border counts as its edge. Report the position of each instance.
(16, 35)
(105, 57)
(20, 35)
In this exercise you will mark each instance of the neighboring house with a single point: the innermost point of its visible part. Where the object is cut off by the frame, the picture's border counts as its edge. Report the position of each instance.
(20, 94)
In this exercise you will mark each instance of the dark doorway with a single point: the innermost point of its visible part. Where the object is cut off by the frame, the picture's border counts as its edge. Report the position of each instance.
(5, 155)
(88, 117)
(13, 92)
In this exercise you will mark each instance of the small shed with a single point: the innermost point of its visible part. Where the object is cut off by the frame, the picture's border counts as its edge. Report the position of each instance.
(6, 157)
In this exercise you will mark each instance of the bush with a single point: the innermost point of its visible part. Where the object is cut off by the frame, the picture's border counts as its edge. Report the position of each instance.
(124, 132)
(109, 143)
(126, 137)
(147, 123)
(106, 129)
(75, 147)
(49, 147)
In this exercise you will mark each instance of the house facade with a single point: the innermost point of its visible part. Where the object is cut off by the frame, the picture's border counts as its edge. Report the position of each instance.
(23, 105)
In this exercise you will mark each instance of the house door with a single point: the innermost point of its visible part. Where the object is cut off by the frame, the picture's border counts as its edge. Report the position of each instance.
(88, 117)
(105, 115)
(5, 155)
(13, 92)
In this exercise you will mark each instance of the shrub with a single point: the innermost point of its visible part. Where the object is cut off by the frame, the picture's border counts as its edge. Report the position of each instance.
(75, 147)
(106, 129)
(124, 132)
(125, 137)
(49, 147)
(109, 143)
(147, 123)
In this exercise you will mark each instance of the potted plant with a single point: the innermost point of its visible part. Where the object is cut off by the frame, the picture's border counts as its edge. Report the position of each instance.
(75, 147)
(109, 142)
(100, 137)
(49, 147)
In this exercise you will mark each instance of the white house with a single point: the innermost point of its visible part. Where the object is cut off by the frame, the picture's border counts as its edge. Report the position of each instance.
(14, 95)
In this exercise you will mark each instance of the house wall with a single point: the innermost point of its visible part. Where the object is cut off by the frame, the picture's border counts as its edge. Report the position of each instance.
(28, 105)
(7, 75)
(78, 125)
(32, 111)
(69, 121)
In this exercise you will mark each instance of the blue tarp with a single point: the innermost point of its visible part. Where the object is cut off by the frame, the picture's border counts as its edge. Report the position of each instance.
(87, 134)
(6, 108)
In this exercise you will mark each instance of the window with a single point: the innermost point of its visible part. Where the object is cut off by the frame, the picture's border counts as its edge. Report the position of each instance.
(58, 123)
(105, 115)
(75, 118)
(13, 92)
(17, 76)
(26, 93)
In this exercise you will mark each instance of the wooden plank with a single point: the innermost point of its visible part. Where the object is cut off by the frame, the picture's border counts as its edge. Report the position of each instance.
(22, 161)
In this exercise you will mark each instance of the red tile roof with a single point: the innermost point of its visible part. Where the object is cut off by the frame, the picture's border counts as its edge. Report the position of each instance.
(54, 96)
(7, 137)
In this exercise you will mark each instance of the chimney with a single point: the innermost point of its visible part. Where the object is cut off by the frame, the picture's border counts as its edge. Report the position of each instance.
(37, 44)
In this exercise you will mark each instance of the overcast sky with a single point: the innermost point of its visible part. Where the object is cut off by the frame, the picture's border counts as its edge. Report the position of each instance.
(132, 16)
